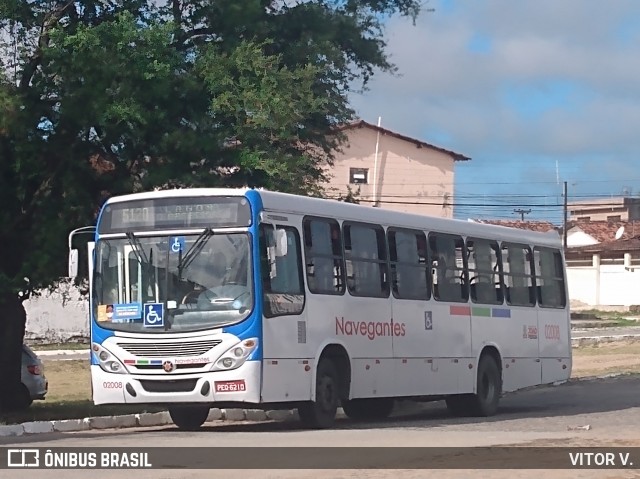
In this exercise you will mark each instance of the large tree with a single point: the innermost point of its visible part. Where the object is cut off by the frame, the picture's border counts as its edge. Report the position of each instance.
(102, 97)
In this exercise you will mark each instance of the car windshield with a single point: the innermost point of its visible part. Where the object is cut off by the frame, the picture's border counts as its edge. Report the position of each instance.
(172, 283)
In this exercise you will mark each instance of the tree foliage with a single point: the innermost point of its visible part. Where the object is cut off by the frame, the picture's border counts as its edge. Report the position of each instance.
(102, 97)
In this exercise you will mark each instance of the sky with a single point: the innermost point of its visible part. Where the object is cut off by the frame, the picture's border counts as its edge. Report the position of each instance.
(535, 92)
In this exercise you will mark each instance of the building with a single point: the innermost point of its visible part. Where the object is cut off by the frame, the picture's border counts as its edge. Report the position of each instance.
(605, 209)
(393, 171)
(539, 226)
(603, 263)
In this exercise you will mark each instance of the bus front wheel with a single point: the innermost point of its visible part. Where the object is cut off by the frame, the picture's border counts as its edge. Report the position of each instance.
(189, 418)
(321, 412)
(368, 409)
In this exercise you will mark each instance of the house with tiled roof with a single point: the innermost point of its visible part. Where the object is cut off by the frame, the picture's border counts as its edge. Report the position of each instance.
(393, 171)
(539, 226)
(603, 262)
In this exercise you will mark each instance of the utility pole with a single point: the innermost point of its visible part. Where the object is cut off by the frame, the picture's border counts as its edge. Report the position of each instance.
(564, 227)
(522, 213)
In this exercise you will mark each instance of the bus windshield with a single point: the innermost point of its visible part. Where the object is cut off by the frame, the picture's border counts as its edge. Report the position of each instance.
(197, 282)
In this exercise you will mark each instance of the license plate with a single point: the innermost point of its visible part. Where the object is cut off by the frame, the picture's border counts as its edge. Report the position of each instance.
(230, 386)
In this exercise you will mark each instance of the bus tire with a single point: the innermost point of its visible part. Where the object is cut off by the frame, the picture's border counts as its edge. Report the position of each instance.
(189, 418)
(321, 412)
(368, 409)
(489, 387)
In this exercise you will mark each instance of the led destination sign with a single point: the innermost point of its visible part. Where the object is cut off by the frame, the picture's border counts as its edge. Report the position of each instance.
(172, 213)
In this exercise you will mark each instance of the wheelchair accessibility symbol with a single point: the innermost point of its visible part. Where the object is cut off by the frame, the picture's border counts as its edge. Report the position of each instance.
(153, 315)
(176, 244)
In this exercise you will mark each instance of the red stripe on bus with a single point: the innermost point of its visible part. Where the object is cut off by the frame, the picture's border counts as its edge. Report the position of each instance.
(460, 310)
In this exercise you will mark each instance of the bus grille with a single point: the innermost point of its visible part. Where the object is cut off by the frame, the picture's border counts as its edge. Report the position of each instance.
(171, 350)
(170, 386)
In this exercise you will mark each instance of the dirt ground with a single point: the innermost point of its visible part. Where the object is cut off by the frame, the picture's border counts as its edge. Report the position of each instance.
(606, 358)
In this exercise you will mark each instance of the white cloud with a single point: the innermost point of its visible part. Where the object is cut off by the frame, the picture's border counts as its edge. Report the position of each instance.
(444, 86)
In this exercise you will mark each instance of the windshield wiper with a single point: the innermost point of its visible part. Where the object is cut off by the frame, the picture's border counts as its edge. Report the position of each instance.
(190, 255)
(137, 248)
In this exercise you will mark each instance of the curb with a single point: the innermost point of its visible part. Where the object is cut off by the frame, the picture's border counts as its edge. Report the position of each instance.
(143, 420)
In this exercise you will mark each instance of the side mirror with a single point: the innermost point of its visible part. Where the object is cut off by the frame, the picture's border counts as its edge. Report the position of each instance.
(281, 242)
(73, 263)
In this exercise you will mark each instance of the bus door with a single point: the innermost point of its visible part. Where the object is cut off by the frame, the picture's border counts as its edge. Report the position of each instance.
(284, 321)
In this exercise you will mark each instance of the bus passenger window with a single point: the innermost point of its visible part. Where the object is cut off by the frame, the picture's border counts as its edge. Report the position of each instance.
(485, 284)
(282, 283)
(518, 274)
(549, 278)
(323, 256)
(448, 264)
(409, 271)
(366, 260)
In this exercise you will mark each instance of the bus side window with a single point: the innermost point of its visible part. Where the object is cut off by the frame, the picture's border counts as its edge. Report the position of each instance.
(549, 278)
(366, 260)
(448, 266)
(282, 282)
(518, 274)
(323, 256)
(409, 271)
(484, 271)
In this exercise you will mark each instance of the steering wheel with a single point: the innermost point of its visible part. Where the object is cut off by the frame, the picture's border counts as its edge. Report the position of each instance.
(191, 297)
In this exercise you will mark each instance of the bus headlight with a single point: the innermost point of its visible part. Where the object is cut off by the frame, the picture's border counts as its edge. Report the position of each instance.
(236, 355)
(107, 361)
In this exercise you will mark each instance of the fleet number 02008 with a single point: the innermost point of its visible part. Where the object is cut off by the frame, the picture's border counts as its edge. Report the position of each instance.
(552, 331)
(112, 385)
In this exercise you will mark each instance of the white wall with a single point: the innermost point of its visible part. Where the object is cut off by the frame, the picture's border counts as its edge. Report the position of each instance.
(582, 284)
(57, 317)
(616, 286)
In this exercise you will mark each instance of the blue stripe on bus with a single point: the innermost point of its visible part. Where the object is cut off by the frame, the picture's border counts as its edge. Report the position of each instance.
(500, 313)
(252, 326)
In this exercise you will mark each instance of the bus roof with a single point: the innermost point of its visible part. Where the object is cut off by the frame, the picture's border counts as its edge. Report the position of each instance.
(304, 205)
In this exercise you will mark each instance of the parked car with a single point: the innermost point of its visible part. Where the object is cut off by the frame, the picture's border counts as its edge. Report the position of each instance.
(34, 382)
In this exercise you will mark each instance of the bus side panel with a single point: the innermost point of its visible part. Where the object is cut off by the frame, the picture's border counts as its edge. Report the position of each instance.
(432, 356)
(515, 329)
(364, 327)
(555, 344)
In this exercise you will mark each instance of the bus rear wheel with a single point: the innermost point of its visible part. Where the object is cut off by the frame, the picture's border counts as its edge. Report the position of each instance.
(485, 401)
(368, 409)
(321, 412)
(189, 418)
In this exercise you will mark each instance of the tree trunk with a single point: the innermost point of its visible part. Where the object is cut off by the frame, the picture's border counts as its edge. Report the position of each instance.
(13, 319)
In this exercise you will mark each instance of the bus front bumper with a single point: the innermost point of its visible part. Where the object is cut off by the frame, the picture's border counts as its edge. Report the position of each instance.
(241, 384)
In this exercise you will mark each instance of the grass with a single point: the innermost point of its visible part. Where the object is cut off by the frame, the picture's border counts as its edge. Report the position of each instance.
(617, 321)
(56, 346)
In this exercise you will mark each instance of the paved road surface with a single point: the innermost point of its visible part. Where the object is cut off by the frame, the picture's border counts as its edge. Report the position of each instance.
(541, 416)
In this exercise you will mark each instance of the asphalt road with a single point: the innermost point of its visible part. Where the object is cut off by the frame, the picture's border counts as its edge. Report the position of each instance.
(537, 417)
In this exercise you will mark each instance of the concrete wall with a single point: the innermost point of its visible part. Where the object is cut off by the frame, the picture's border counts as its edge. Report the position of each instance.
(57, 317)
(406, 173)
(608, 285)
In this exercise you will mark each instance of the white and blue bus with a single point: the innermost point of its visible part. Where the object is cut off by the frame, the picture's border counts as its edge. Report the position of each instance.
(247, 298)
